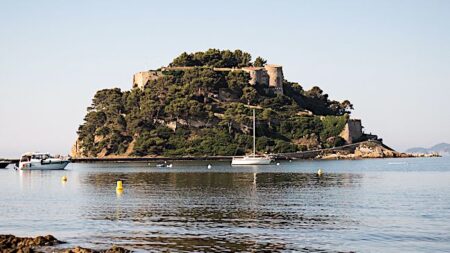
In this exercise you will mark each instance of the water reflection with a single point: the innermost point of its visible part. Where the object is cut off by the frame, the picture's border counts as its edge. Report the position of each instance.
(367, 206)
(217, 211)
(222, 180)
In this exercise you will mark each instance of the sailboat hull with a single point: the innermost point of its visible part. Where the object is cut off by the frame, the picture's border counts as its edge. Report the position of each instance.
(246, 160)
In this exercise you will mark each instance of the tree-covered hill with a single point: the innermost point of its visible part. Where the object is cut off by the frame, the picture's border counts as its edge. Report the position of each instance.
(200, 111)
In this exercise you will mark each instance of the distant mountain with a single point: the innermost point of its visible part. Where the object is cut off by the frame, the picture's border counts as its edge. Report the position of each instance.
(441, 148)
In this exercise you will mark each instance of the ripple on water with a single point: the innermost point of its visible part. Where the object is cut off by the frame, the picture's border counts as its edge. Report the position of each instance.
(284, 208)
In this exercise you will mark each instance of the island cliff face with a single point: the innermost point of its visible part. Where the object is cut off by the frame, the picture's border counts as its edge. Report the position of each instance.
(201, 105)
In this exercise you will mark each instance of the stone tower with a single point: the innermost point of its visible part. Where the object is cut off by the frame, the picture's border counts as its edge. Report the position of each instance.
(276, 77)
(140, 79)
(352, 131)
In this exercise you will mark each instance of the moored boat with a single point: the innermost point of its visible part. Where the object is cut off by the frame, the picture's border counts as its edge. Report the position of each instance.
(164, 165)
(41, 161)
(252, 159)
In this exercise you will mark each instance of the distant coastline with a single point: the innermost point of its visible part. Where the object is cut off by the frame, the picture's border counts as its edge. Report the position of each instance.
(442, 149)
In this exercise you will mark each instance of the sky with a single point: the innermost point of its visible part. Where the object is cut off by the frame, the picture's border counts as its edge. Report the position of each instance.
(391, 59)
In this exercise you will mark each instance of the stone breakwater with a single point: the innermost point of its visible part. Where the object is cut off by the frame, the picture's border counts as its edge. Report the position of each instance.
(44, 244)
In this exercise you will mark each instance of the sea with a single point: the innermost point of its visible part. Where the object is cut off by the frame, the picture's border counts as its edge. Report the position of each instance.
(374, 205)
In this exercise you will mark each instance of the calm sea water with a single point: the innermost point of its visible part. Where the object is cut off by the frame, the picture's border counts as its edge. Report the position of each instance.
(387, 205)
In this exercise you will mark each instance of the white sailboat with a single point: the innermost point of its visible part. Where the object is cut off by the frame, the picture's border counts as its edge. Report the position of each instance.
(252, 159)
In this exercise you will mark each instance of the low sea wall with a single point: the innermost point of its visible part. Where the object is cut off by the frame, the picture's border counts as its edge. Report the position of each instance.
(312, 154)
(150, 159)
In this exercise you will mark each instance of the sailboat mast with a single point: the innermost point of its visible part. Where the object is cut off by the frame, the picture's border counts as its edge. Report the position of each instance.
(254, 134)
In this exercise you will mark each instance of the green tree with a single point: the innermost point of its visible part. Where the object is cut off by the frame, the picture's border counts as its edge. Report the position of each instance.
(242, 58)
(259, 62)
(237, 80)
(249, 94)
(184, 59)
(177, 108)
(268, 115)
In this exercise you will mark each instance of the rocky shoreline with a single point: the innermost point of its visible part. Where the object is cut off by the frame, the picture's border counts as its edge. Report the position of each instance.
(362, 150)
(369, 150)
(44, 244)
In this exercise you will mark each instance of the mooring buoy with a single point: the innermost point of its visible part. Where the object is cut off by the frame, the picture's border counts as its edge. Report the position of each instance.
(319, 172)
(119, 186)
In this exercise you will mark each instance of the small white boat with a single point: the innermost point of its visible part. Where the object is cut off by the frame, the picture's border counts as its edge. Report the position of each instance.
(41, 161)
(164, 165)
(252, 159)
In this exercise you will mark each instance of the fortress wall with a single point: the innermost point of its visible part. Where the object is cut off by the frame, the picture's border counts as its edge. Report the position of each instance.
(256, 75)
(268, 76)
(140, 79)
(352, 131)
(177, 68)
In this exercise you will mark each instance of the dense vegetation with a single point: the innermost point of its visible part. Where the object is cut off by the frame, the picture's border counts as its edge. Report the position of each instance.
(217, 58)
(212, 114)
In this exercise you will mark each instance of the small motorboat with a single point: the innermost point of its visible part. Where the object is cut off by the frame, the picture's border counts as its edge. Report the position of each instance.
(41, 161)
(164, 165)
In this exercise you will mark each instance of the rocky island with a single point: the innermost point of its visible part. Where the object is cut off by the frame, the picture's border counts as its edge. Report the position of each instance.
(201, 105)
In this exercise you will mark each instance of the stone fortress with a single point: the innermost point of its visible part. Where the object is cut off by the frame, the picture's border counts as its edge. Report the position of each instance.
(270, 76)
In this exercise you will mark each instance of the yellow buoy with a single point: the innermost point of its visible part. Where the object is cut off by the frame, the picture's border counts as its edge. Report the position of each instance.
(64, 178)
(319, 172)
(119, 186)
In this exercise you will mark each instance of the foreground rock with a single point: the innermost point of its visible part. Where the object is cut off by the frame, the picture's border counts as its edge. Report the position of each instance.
(14, 244)
(113, 249)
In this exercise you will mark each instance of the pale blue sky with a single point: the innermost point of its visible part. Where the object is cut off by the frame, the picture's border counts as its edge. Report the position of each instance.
(390, 58)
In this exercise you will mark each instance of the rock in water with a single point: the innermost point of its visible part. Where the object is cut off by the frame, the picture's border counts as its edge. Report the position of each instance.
(116, 249)
(11, 243)
(14, 244)
(113, 249)
(79, 250)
